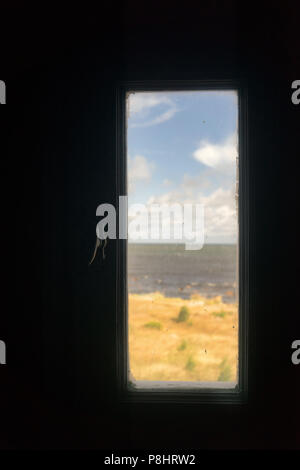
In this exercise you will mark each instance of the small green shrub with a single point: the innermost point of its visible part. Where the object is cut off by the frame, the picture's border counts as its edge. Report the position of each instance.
(155, 325)
(183, 315)
(190, 365)
(219, 314)
(182, 345)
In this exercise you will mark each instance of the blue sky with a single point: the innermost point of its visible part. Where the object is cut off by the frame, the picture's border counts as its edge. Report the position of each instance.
(182, 147)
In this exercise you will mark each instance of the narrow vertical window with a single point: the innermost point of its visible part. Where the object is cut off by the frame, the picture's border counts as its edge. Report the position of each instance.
(183, 238)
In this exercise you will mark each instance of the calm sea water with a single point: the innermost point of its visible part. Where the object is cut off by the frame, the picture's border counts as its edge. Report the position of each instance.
(176, 272)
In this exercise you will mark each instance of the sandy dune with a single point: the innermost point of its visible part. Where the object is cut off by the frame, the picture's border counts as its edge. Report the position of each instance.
(202, 348)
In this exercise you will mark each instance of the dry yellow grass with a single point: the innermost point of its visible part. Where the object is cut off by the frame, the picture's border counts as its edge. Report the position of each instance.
(204, 348)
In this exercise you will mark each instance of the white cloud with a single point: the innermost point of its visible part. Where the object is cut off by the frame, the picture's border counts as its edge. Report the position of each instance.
(140, 104)
(221, 157)
(220, 216)
(139, 169)
(159, 119)
(214, 188)
(140, 101)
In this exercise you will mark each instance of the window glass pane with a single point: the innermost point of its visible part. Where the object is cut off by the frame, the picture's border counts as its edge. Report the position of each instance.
(182, 154)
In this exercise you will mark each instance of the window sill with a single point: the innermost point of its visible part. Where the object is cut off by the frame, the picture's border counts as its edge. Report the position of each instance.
(183, 392)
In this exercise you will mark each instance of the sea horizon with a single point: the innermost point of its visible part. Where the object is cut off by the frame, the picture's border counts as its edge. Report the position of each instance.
(175, 272)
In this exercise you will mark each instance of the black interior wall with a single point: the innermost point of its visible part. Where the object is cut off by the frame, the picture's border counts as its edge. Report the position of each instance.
(58, 388)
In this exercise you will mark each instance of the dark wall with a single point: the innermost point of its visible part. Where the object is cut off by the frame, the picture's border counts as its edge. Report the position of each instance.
(58, 388)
